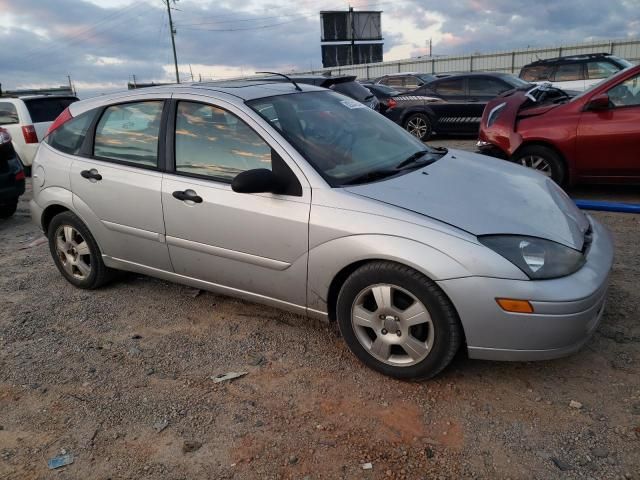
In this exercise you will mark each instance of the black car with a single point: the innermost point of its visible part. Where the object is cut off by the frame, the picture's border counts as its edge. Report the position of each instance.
(451, 104)
(11, 176)
(384, 95)
(344, 84)
(406, 81)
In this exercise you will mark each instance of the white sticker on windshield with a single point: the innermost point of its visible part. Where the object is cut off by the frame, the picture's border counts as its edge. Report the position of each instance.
(352, 104)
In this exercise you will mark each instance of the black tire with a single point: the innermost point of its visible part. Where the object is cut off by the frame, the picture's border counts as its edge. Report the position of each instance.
(447, 331)
(99, 274)
(8, 209)
(553, 160)
(419, 118)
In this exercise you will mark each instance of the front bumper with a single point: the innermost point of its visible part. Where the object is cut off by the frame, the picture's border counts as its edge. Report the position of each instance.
(566, 310)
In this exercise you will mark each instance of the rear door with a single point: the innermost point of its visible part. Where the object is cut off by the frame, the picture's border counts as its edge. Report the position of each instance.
(252, 244)
(116, 186)
(43, 111)
(608, 142)
(452, 116)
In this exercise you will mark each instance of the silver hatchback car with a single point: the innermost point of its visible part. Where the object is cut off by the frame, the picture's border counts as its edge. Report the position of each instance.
(301, 198)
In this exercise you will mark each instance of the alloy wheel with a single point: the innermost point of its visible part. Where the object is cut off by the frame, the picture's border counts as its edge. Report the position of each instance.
(536, 162)
(73, 252)
(392, 325)
(417, 127)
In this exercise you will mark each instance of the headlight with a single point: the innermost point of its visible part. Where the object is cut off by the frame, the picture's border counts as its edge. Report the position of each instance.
(495, 113)
(538, 258)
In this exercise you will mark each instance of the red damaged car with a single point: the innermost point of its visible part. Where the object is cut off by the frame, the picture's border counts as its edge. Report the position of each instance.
(591, 138)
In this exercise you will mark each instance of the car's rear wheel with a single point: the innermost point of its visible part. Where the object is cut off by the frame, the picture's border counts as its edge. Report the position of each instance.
(542, 159)
(76, 253)
(397, 321)
(419, 126)
(9, 208)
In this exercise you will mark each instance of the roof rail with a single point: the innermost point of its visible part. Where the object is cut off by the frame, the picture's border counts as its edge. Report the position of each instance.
(580, 56)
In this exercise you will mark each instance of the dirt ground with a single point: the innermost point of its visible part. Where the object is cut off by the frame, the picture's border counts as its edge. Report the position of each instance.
(121, 379)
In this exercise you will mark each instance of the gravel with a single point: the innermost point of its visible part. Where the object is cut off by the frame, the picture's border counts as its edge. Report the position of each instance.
(97, 373)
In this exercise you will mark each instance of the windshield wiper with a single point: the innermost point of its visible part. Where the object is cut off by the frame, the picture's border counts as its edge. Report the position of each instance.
(370, 176)
(413, 160)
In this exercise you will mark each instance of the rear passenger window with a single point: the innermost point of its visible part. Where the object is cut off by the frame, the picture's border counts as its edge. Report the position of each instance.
(129, 133)
(568, 72)
(535, 74)
(215, 143)
(69, 136)
(451, 87)
(8, 113)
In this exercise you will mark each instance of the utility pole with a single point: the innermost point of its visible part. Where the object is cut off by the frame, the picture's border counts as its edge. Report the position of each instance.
(353, 34)
(430, 47)
(173, 40)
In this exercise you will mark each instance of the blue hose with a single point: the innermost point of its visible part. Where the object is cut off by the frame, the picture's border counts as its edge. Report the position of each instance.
(608, 206)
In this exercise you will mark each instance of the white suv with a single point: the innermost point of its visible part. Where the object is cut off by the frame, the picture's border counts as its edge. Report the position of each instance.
(27, 120)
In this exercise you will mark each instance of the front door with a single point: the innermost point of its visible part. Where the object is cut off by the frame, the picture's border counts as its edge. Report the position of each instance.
(481, 90)
(116, 188)
(608, 142)
(453, 116)
(254, 244)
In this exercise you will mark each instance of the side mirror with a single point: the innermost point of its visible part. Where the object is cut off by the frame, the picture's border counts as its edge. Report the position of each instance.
(258, 180)
(599, 102)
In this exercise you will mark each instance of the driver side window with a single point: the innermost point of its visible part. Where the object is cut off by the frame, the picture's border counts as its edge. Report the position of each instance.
(213, 142)
(627, 93)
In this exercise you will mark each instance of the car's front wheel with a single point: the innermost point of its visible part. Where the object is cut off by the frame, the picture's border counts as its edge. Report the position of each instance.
(419, 126)
(542, 159)
(397, 321)
(76, 253)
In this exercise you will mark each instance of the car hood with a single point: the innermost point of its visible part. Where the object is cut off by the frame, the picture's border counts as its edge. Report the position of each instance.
(484, 196)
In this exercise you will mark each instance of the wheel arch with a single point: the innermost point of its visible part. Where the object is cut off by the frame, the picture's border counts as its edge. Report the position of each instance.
(543, 143)
(50, 212)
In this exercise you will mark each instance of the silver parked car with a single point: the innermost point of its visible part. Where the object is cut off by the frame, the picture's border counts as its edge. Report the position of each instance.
(304, 199)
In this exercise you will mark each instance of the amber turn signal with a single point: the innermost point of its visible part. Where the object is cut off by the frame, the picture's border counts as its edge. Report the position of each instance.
(515, 306)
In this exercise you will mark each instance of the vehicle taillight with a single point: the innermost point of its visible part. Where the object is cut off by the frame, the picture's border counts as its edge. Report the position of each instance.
(20, 175)
(29, 133)
(63, 118)
(391, 103)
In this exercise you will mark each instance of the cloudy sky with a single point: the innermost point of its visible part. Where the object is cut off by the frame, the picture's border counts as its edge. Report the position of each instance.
(102, 43)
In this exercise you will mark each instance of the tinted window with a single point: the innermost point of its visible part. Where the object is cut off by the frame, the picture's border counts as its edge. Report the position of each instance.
(213, 142)
(535, 74)
(454, 86)
(601, 69)
(393, 81)
(412, 82)
(568, 72)
(487, 86)
(68, 138)
(352, 89)
(627, 93)
(8, 113)
(129, 132)
(47, 109)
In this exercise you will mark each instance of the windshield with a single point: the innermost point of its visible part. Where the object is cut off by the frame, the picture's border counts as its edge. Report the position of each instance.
(425, 77)
(352, 89)
(341, 138)
(596, 85)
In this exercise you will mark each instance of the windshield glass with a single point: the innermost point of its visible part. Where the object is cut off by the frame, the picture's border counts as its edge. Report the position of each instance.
(596, 85)
(352, 89)
(341, 138)
(425, 77)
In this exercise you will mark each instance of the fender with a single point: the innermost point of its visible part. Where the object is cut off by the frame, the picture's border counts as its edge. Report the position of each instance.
(328, 259)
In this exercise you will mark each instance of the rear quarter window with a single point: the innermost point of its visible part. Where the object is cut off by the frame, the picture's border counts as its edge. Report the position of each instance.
(68, 138)
(47, 109)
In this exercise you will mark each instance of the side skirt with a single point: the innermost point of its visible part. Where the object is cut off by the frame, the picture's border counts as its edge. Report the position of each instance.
(120, 264)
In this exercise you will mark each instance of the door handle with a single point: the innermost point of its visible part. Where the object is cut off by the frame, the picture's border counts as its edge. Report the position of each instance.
(187, 195)
(91, 174)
